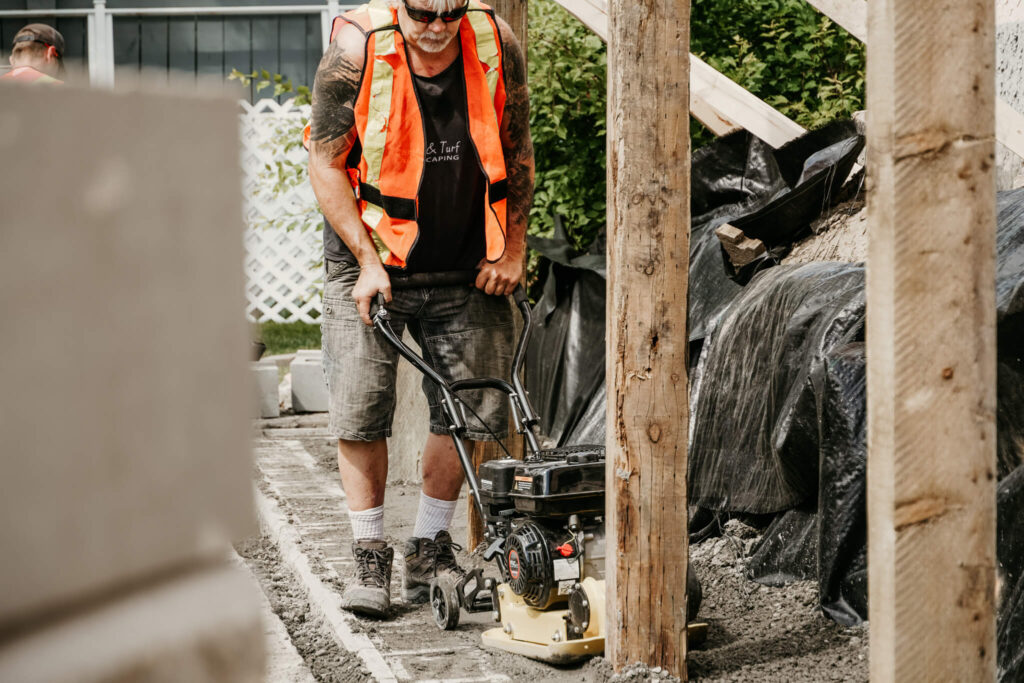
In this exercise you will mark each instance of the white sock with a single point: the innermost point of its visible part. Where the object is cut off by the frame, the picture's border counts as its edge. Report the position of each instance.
(367, 525)
(434, 515)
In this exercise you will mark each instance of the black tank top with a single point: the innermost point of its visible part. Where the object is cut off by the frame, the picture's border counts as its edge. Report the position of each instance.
(451, 193)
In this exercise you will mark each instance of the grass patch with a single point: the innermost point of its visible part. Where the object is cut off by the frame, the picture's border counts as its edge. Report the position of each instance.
(289, 337)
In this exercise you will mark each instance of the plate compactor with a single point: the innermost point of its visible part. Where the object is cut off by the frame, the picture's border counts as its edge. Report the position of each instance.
(543, 520)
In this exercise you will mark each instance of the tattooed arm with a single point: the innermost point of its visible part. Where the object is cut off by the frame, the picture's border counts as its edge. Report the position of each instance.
(503, 276)
(332, 134)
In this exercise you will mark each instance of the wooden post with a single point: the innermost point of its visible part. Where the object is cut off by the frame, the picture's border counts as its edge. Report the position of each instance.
(931, 341)
(648, 257)
(514, 12)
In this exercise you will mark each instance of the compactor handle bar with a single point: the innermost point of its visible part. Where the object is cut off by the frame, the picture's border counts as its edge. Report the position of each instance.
(524, 416)
(523, 412)
(381, 322)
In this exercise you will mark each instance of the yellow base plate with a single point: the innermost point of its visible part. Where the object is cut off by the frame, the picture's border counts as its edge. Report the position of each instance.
(541, 634)
(565, 652)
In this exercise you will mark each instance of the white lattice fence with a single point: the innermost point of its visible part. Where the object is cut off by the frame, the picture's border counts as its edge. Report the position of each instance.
(283, 245)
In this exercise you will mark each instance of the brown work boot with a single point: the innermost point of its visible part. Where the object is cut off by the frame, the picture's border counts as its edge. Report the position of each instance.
(425, 559)
(369, 590)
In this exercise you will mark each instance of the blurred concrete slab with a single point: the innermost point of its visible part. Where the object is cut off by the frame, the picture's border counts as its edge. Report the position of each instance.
(126, 446)
(204, 627)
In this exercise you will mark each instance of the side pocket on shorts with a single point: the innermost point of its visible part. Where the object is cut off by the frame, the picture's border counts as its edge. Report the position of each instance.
(339, 310)
(335, 269)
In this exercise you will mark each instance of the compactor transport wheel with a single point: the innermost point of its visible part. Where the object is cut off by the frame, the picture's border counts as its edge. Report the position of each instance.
(444, 602)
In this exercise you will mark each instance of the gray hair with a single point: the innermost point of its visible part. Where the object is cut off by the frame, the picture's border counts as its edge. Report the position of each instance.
(436, 5)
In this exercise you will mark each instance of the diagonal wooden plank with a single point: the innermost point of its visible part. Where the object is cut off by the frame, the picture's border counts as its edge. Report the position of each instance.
(850, 14)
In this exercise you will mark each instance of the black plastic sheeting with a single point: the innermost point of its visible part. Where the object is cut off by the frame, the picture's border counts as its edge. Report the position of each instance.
(833, 540)
(1010, 255)
(841, 561)
(565, 359)
(754, 427)
(826, 540)
(831, 545)
(823, 538)
(1010, 551)
(772, 195)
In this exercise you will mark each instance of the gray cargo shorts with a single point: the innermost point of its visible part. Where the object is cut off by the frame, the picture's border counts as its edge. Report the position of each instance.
(461, 331)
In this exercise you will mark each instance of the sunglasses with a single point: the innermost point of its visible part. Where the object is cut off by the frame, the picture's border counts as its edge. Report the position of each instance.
(426, 17)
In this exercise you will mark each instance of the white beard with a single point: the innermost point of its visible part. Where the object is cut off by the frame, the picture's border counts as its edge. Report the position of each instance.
(429, 43)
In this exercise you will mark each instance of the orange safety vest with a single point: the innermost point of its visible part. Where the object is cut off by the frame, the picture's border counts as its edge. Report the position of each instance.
(389, 123)
(28, 74)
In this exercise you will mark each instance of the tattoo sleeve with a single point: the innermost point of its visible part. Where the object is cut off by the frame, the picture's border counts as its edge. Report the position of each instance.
(332, 120)
(515, 137)
(332, 134)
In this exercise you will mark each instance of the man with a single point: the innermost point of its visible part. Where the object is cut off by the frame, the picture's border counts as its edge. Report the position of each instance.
(37, 55)
(420, 134)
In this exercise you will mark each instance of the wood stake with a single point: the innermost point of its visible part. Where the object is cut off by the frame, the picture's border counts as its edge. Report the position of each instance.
(648, 257)
(931, 340)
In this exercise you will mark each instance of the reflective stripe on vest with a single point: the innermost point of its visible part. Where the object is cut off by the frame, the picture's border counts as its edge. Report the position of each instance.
(28, 74)
(391, 131)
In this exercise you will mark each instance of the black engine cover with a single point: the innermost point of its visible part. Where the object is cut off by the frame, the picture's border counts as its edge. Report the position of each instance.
(561, 482)
(496, 480)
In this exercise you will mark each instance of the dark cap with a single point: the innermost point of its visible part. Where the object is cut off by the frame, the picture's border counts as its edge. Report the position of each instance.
(41, 33)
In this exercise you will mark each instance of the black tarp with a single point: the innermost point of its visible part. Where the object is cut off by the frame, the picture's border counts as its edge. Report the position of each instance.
(773, 194)
(842, 486)
(1010, 257)
(833, 541)
(1010, 552)
(565, 359)
(754, 428)
(825, 540)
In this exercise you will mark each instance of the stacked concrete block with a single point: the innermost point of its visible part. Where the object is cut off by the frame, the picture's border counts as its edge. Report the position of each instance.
(266, 380)
(309, 389)
(127, 458)
(741, 249)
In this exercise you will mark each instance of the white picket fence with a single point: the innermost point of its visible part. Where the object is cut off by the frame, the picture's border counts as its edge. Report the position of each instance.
(283, 243)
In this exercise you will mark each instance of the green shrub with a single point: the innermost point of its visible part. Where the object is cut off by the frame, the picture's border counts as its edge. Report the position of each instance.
(568, 82)
(784, 52)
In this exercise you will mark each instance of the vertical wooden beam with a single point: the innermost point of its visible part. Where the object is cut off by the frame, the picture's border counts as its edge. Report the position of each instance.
(648, 257)
(931, 340)
(514, 12)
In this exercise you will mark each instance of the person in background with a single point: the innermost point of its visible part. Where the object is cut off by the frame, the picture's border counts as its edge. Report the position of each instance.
(37, 55)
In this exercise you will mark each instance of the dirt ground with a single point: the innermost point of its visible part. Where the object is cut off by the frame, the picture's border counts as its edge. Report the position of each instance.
(756, 633)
